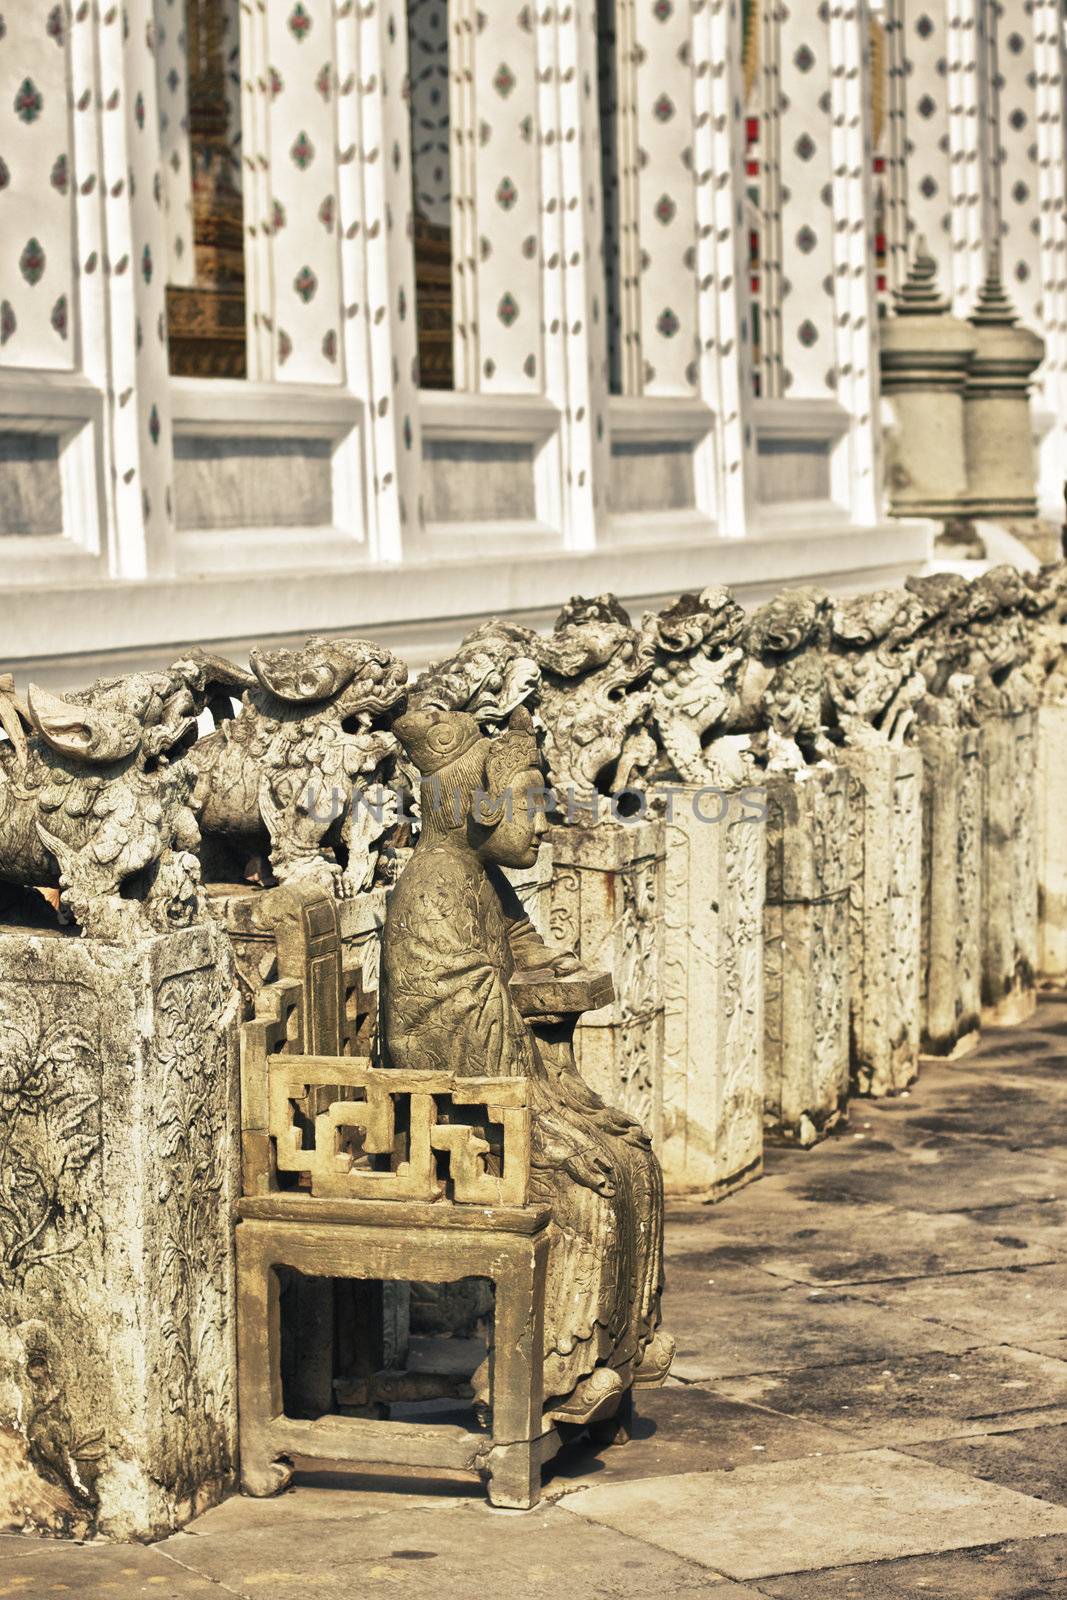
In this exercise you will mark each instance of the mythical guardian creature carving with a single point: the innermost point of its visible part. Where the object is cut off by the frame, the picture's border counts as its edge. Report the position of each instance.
(1044, 608)
(783, 699)
(697, 646)
(873, 677)
(303, 764)
(584, 684)
(96, 801)
(993, 613)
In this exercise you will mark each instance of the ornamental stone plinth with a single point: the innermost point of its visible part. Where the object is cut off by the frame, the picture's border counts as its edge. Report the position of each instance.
(925, 353)
(1009, 867)
(950, 965)
(998, 430)
(713, 990)
(806, 963)
(885, 855)
(608, 906)
(119, 1153)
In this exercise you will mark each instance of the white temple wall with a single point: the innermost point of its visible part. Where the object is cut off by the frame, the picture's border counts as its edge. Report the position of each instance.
(293, 496)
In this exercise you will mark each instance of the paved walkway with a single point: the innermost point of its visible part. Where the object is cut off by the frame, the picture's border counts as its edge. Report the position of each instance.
(871, 1398)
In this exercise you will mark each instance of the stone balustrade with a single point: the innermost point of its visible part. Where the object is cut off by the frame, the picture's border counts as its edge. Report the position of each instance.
(809, 843)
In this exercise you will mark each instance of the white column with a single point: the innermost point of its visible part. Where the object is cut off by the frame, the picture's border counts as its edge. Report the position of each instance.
(172, 93)
(820, 223)
(573, 298)
(330, 295)
(945, 63)
(722, 269)
(1033, 208)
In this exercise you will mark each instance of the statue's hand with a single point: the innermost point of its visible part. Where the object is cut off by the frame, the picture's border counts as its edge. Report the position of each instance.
(591, 1170)
(564, 964)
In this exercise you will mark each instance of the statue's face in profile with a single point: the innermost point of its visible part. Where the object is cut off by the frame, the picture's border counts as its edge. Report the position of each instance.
(513, 841)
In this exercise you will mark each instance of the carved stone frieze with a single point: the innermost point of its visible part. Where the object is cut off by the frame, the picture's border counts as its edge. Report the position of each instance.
(118, 1175)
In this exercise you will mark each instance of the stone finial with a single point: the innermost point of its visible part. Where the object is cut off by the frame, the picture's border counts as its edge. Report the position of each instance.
(919, 295)
(993, 308)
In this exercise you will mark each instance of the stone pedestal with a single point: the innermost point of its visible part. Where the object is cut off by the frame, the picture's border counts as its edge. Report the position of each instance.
(1009, 868)
(805, 960)
(1052, 845)
(885, 912)
(608, 907)
(950, 966)
(118, 1176)
(924, 357)
(713, 991)
(998, 430)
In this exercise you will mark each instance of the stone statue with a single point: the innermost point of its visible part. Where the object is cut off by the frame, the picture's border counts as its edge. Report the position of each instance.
(992, 611)
(582, 684)
(302, 766)
(456, 952)
(697, 646)
(873, 677)
(1044, 608)
(944, 650)
(96, 800)
(783, 699)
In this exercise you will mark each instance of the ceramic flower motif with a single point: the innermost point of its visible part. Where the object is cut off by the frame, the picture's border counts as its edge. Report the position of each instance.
(305, 284)
(667, 323)
(508, 309)
(60, 317)
(29, 101)
(8, 321)
(302, 151)
(32, 261)
(506, 194)
(299, 23)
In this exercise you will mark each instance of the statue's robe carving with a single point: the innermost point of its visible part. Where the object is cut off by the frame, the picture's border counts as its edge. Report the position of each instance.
(454, 936)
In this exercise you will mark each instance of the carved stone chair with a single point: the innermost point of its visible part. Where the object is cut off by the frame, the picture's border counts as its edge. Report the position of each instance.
(352, 1171)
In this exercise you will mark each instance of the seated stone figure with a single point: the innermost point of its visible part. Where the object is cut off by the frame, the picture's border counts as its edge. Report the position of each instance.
(455, 937)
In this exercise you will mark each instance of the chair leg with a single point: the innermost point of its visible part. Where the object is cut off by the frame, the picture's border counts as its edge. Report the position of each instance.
(514, 1475)
(259, 1385)
(514, 1468)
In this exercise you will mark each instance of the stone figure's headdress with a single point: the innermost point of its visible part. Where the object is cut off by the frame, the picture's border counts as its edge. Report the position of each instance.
(456, 761)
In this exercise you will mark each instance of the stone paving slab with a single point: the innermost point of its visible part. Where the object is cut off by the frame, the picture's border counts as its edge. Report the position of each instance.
(1032, 1460)
(449, 1553)
(1029, 1569)
(927, 1396)
(949, 1179)
(52, 1568)
(889, 1245)
(682, 1428)
(1015, 1306)
(788, 1516)
(721, 1336)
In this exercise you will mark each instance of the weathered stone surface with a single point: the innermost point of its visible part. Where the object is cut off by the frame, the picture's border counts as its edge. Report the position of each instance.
(885, 856)
(1024, 1303)
(608, 906)
(805, 953)
(1032, 1460)
(878, 1503)
(713, 992)
(1009, 867)
(909, 1397)
(950, 964)
(118, 1171)
(533, 885)
(1022, 1569)
(1052, 844)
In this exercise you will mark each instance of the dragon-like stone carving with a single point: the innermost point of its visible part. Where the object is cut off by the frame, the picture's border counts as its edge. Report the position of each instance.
(302, 766)
(944, 649)
(698, 651)
(993, 614)
(1044, 608)
(873, 675)
(584, 684)
(783, 699)
(95, 800)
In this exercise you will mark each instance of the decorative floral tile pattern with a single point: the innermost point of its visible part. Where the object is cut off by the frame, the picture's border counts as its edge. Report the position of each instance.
(428, 70)
(496, 198)
(172, 93)
(36, 203)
